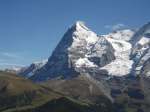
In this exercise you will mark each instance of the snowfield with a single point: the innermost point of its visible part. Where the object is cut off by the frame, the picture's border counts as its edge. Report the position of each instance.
(122, 65)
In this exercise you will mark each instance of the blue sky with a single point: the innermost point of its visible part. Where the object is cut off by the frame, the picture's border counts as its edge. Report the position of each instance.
(30, 29)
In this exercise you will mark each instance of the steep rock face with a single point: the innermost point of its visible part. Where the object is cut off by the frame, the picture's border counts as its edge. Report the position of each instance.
(146, 68)
(143, 31)
(141, 47)
(79, 47)
(145, 74)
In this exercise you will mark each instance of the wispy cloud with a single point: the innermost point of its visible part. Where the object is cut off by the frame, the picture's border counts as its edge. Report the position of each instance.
(115, 26)
(10, 59)
(6, 65)
(11, 64)
(10, 55)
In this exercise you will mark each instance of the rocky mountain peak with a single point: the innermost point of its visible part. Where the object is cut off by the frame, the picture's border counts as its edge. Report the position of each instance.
(80, 25)
(79, 47)
(82, 51)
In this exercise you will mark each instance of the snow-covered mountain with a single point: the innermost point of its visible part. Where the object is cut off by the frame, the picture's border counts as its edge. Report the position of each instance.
(30, 70)
(79, 47)
(13, 69)
(81, 51)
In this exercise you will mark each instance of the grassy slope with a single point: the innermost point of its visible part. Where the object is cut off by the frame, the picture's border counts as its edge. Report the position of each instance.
(65, 104)
(83, 90)
(16, 92)
(21, 95)
(80, 88)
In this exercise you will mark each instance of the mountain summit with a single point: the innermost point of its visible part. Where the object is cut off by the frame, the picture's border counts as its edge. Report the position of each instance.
(79, 47)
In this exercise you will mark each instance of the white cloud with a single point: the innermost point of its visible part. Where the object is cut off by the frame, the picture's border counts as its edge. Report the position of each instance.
(6, 65)
(115, 27)
(10, 59)
(10, 55)
(10, 64)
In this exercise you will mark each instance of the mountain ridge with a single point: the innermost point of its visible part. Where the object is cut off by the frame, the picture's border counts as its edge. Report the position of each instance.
(81, 49)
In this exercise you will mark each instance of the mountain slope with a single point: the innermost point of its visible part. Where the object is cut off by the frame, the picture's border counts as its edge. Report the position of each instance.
(65, 104)
(21, 95)
(16, 92)
(91, 90)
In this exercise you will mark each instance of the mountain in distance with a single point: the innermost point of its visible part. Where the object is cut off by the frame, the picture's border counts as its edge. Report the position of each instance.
(13, 69)
(30, 70)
